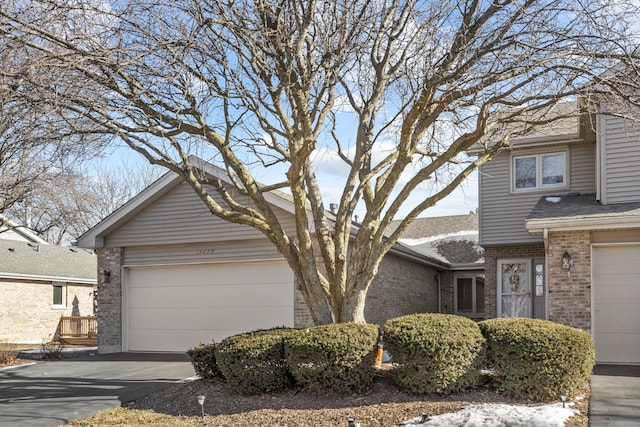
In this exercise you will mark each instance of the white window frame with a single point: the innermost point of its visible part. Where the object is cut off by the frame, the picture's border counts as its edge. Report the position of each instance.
(538, 158)
(64, 296)
(474, 292)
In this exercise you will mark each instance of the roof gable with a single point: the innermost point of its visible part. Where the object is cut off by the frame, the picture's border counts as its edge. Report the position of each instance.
(9, 230)
(95, 236)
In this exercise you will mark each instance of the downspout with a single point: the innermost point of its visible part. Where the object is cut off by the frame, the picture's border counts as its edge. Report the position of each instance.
(439, 293)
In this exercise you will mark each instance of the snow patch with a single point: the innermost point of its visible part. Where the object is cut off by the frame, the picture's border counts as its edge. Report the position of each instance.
(500, 415)
(461, 234)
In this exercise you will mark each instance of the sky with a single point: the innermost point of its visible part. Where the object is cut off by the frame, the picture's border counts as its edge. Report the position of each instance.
(331, 172)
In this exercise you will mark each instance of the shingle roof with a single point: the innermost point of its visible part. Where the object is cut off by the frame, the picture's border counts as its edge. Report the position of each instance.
(31, 260)
(579, 206)
(437, 226)
(452, 239)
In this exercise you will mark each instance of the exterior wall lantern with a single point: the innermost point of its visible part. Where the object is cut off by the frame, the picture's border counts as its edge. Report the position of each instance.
(106, 276)
(567, 262)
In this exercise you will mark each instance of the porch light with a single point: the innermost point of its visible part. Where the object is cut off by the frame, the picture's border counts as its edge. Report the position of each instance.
(201, 402)
(567, 262)
(106, 276)
(563, 397)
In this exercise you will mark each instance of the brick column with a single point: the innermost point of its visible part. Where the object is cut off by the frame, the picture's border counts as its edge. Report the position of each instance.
(109, 301)
(569, 300)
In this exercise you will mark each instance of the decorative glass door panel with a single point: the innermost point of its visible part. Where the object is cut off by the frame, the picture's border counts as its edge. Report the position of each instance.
(515, 289)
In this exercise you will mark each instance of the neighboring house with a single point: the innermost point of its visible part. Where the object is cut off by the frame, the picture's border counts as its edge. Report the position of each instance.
(39, 283)
(560, 225)
(454, 241)
(178, 275)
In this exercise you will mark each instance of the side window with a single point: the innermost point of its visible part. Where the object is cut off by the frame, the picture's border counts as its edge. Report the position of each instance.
(538, 171)
(59, 297)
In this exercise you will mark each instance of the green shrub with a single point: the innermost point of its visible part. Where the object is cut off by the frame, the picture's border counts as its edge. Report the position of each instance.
(337, 357)
(538, 359)
(254, 362)
(435, 353)
(203, 359)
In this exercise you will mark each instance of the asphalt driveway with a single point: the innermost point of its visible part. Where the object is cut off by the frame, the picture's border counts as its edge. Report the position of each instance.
(54, 393)
(615, 396)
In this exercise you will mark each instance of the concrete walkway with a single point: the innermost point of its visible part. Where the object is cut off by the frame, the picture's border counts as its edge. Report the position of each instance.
(615, 396)
(54, 393)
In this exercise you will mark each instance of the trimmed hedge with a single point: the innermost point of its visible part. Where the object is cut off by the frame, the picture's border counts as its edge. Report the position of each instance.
(435, 353)
(538, 359)
(203, 359)
(254, 362)
(337, 357)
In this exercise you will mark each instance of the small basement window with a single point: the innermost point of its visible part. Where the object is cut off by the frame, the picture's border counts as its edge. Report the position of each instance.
(59, 299)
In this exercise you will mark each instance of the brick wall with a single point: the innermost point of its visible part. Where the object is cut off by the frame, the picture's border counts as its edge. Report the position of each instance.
(401, 287)
(28, 316)
(109, 302)
(569, 299)
(447, 292)
(301, 314)
(491, 256)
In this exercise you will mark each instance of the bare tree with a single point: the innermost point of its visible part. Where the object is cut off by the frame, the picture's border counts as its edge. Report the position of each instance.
(60, 210)
(397, 90)
(40, 142)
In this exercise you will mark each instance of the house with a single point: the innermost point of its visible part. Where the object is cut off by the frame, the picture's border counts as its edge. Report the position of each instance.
(454, 241)
(39, 284)
(172, 275)
(560, 225)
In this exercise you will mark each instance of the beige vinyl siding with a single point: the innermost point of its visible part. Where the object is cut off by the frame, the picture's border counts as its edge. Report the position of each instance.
(582, 168)
(181, 217)
(199, 253)
(620, 158)
(503, 212)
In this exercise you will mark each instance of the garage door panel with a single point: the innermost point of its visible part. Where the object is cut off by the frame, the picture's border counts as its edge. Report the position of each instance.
(175, 308)
(209, 320)
(203, 275)
(617, 348)
(210, 296)
(623, 318)
(616, 302)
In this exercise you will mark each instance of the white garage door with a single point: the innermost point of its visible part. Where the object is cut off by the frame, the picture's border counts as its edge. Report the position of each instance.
(175, 308)
(616, 293)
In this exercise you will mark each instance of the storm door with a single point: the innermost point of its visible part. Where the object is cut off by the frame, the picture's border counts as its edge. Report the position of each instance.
(514, 288)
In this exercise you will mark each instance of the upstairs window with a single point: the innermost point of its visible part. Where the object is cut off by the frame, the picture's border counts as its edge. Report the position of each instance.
(539, 171)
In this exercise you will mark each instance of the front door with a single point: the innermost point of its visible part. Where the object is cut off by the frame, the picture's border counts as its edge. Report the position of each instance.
(514, 299)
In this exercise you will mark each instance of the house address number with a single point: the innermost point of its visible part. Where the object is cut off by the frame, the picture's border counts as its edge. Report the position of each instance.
(204, 251)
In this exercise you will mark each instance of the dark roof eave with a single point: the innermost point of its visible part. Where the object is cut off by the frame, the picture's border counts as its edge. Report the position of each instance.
(400, 250)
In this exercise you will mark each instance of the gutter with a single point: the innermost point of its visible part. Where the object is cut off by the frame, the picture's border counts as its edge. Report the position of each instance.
(48, 278)
(467, 266)
(400, 250)
(583, 223)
